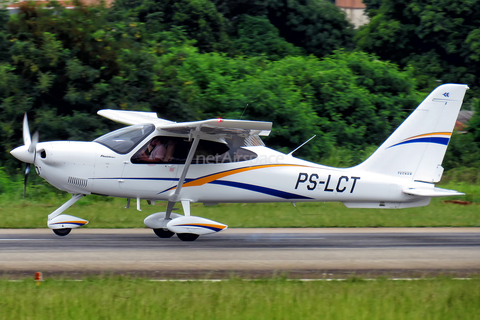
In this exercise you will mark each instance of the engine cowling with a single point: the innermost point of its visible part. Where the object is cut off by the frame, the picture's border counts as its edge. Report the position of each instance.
(195, 225)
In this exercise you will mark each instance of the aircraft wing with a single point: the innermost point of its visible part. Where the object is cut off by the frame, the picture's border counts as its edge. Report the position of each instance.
(133, 117)
(211, 126)
(216, 126)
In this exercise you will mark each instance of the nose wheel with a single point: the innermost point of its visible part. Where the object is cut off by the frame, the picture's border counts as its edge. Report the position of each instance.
(62, 232)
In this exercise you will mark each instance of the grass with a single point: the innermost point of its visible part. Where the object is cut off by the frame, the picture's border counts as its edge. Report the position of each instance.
(127, 298)
(111, 213)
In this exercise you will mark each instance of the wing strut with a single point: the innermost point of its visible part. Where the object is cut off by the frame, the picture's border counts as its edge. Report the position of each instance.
(174, 198)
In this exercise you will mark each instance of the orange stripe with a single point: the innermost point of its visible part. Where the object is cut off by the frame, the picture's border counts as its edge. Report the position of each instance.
(203, 225)
(204, 180)
(430, 134)
(65, 222)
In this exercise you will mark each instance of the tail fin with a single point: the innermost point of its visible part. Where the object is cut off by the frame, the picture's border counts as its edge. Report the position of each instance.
(416, 149)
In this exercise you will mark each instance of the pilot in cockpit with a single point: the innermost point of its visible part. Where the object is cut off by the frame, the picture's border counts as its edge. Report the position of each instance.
(158, 150)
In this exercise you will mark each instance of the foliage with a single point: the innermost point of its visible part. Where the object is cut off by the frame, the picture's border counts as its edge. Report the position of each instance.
(194, 59)
(256, 36)
(463, 151)
(349, 99)
(474, 123)
(65, 65)
(317, 26)
(439, 39)
(371, 7)
(199, 19)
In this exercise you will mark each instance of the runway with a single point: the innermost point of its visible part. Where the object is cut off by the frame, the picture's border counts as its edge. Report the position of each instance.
(253, 251)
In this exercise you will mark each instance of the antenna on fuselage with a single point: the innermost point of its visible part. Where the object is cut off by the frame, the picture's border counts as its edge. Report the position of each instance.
(301, 145)
(241, 116)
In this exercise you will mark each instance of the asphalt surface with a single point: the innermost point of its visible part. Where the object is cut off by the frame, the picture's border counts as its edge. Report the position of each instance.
(253, 251)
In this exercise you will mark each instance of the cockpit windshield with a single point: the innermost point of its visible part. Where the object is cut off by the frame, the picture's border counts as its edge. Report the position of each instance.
(124, 140)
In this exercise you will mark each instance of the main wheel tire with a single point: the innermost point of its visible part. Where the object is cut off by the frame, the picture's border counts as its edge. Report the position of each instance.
(62, 232)
(187, 236)
(163, 233)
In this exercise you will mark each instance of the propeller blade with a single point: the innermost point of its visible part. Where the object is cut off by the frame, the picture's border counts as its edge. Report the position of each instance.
(27, 140)
(34, 141)
(27, 172)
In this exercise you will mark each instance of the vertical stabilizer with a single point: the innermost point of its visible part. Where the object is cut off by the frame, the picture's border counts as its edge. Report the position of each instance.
(416, 149)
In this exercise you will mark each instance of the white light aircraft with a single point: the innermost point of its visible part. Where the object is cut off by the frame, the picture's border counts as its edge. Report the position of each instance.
(225, 161)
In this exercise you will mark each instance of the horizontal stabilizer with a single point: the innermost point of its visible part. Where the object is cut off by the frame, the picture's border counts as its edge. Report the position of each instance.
(432, 192)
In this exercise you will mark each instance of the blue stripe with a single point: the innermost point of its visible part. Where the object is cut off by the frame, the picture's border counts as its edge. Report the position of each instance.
(437, 140)
(271, 192)
(148, 178)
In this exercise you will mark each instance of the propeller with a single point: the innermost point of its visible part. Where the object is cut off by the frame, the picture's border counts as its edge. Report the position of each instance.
(31, 144)
(27, 172)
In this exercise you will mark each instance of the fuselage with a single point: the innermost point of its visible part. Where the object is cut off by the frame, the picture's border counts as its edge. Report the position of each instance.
(93, 168)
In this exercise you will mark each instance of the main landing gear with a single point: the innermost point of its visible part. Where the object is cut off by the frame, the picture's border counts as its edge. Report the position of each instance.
(187, 236)
(163, 233)
(62, 232)
(187, 227)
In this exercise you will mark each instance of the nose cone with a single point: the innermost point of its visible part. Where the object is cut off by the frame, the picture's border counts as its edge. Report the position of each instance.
(22, 154)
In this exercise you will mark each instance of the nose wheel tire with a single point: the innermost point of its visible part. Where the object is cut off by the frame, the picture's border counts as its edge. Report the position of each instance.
(163, 233)
(62, 232)
(187, 236)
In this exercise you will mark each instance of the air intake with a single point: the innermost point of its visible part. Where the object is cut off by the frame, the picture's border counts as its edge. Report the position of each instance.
(79, 182)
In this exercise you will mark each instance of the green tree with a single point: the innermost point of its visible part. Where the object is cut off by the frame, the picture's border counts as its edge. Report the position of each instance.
(256, 36)
(317, 26)
(64, 65)
(350, 100)
(439, 39)
(199, 18)
(4, 43)
(372, 7)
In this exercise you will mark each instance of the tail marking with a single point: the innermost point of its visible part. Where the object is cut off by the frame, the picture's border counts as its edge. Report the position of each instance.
(436, 137)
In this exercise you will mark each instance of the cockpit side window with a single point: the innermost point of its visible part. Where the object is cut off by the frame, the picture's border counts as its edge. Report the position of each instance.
(159, 149)
(163, 149)
(124, 140)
